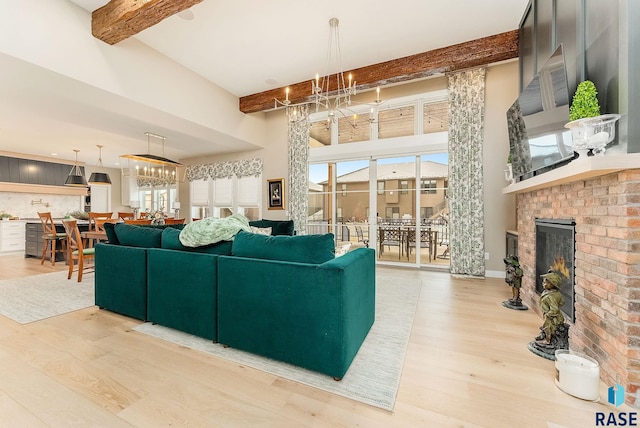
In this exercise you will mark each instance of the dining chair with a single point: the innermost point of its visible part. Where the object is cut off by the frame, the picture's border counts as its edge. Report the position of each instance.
(126, 216)
(360, 235)
(75, 249)
(426, 240)
(169, 220)
(139, 221)
(389, 236)
(93, 216)
(51, 238)
(99, 228)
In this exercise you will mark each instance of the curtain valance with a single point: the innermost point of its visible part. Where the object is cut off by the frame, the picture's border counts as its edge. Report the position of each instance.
(227, 169)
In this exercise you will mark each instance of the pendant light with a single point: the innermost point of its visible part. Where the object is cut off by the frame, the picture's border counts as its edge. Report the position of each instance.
(100, 178)
(76, 175)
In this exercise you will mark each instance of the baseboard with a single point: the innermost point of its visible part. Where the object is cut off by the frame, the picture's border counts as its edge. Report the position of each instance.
(494, 274)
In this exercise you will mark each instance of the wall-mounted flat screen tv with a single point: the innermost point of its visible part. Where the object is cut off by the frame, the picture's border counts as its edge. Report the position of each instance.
(538, 140)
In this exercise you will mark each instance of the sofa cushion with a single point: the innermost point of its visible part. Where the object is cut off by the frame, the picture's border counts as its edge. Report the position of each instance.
(109, 229)
(278, 227)
(112, 238)
(137, 236)
(171, 241)
(261, 230)
(312, 249)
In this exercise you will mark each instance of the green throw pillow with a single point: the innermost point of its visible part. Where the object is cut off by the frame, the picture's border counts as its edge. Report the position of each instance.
(278, 227)
(171, 241)
(312, 249)
(138, 236)
(109, 229)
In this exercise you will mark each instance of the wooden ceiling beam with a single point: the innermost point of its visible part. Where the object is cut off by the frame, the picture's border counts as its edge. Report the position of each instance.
(474, 53)
(121, 19)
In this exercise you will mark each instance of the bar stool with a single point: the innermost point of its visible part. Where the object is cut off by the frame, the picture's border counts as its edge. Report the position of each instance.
(76, 250)
(51, 238)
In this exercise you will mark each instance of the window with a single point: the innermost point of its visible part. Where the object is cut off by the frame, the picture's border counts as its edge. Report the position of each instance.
(396, 122)
(248, 197)
(427, 186)
(404, 187)
(343, 186)
(226, 196)
(200, 193)
(380, 187)
(426, 212)
(392, 212)
(436, 117)
(354, 128)
(319, 134)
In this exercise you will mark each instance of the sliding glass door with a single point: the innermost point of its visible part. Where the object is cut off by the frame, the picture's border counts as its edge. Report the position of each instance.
(408, 224)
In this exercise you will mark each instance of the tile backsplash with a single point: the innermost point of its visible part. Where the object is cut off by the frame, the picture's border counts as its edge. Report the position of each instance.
(27, 205)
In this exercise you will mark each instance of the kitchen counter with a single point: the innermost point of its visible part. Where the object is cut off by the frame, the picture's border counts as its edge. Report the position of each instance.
(57, 221)
(34, 241)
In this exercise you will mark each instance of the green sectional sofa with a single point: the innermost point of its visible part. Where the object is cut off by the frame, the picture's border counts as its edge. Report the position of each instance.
(283, 297)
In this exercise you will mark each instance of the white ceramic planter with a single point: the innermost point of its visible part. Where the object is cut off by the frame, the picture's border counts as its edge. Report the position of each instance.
(579, 142)
(593, 133)
(508, 174)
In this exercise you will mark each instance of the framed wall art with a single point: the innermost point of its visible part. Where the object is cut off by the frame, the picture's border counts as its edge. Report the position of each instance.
(276, 194)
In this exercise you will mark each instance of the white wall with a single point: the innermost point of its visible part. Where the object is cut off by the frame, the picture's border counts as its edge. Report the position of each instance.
(502, 89)
(56, 35)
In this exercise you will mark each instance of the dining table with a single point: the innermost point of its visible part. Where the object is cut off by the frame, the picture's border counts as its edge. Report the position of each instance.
(404, 236)
(92, 236)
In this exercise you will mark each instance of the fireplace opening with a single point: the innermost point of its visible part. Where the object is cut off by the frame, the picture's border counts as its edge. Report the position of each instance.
(555, 241)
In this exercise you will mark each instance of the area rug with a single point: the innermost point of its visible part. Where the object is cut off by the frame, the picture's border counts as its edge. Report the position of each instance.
(34, 298)
(374, 375)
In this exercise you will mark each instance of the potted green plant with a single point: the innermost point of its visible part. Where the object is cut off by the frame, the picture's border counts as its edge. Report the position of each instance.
(585, 102)
(590, 130)
(584, 105)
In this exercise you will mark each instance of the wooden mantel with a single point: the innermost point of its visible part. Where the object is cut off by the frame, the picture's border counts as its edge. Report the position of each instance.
(579, 169)
(474, 53)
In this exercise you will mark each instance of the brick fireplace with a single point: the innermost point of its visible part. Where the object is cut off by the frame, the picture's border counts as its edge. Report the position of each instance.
(606, 209)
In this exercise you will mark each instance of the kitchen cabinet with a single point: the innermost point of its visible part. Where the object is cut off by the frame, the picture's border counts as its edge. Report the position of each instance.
(34, 241)
(12, 235)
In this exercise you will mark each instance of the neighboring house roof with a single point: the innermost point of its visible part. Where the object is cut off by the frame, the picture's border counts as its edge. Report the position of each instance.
(397, 171)
(314, 187)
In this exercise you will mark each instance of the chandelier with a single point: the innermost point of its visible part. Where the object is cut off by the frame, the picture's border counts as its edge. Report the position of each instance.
(331, 92)
(151, 170)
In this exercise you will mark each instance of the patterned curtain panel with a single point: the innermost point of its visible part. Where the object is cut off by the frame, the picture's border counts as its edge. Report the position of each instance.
(241, 168)
(298, 167)
(466, 133)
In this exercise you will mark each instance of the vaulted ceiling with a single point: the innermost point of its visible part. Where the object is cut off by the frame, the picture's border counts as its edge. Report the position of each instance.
(254, 48)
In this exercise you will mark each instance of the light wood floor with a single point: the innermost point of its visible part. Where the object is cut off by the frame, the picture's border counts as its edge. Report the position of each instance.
(467, 365)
